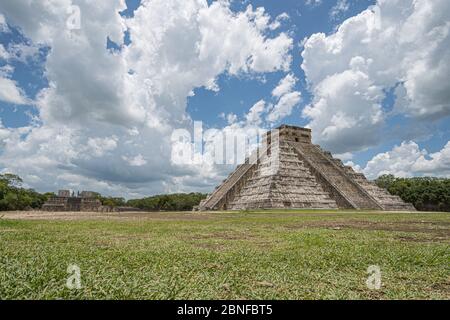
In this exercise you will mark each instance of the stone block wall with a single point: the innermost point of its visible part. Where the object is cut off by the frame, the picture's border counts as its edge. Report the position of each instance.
(307, 177)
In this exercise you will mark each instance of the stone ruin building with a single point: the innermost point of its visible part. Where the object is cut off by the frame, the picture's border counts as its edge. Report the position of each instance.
(67, 201)
(305, 176)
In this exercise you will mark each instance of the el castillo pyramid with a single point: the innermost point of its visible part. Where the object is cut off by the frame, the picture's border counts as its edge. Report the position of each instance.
(304, 176)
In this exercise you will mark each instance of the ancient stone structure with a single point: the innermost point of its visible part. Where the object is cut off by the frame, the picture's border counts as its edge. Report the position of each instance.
(291, 172)
(65, 201)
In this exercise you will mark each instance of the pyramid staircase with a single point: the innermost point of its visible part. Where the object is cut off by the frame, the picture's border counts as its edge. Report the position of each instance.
(305, 176)
(218, 199)
(221, 196)
(289, 185)
(387, 201)
(346, 191)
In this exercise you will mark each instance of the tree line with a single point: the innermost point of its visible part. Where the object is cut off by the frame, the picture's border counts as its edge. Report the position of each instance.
(13, 196)
(164, 202)
(425, 193)
(168, 202)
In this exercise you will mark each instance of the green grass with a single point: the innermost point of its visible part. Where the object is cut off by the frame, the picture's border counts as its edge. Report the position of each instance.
(246, 255)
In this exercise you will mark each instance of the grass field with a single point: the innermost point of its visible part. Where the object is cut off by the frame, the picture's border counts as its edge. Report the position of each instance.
(242, 255)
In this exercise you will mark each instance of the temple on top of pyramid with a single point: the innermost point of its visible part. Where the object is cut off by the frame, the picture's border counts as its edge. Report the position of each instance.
(289, 172)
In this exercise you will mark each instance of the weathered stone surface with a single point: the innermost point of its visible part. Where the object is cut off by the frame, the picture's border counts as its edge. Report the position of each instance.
(291, 186)
(64, 201)
(305, 176)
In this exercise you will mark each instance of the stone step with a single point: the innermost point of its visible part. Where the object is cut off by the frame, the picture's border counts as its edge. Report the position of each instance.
(326, 166)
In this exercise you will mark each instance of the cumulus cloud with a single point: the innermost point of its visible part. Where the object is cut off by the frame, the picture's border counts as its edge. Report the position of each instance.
(255, 112)
(106, 118)
(10, 92)
(409, 160)
(98, 147)
(401, 44)
(278, 21)
(346, 103)
(339, 8)
(284, 106)
(286, 85)
(287, 99)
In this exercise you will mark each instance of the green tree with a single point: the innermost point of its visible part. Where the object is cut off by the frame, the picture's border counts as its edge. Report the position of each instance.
(426, 193)
(172, 202)
(14, 197)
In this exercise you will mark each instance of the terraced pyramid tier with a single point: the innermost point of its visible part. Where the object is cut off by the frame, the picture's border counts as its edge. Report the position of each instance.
(304, 176)
(290, 185)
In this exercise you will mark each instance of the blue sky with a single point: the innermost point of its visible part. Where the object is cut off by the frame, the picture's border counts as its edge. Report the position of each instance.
(237, 94)
(414, 128)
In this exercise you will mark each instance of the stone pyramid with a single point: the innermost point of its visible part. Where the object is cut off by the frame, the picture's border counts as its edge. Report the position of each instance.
(291, 172)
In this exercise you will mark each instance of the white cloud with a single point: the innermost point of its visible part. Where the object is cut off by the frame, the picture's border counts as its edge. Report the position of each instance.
(3, 24)
(254, 115)
(137, 161)
(10, 92)
(236, 39)
(287, 99)
(137, 95)
(98, 147)
(313, 2)
(409, 160)
(339, 8)
(284, 106)
(22, 52)
(3, 53)
(344, 156)
(437, 164)
(278, 21)
(6, 71)
(4, 134)
(345, 104)
(231, 118)
(286, 85)
(396, 43)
